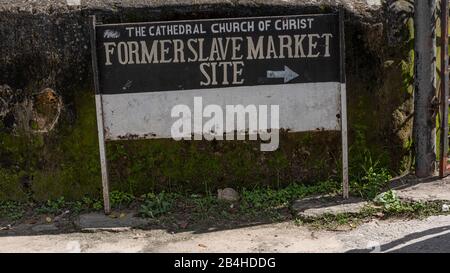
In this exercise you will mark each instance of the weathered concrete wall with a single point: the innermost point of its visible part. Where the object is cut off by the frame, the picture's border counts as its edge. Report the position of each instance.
(48, 139)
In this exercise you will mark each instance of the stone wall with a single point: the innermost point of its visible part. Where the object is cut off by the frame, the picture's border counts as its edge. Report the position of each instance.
(48, 138)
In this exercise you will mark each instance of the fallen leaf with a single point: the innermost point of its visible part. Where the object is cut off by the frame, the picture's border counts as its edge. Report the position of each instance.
(122, 215)
(48, 219)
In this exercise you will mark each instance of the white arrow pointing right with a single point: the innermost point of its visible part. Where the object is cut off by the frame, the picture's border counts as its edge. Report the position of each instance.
(287, 74)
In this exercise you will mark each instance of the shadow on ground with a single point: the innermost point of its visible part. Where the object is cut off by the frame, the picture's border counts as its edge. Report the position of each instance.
(127, 219)
(435, 240)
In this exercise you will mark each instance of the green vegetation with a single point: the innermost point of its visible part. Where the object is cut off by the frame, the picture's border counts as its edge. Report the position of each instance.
(120, 199)
(257, 204)
(392, 205)
(52, 206)
(261, 198)
(368, 175)
(371, 183)
(155, 205)
(11, 210)
(253, 202)
(370, 179)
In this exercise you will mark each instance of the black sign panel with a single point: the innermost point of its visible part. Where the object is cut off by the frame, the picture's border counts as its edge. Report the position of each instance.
(198, 54)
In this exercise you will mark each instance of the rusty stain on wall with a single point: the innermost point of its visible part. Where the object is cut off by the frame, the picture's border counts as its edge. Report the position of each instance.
(36, 113)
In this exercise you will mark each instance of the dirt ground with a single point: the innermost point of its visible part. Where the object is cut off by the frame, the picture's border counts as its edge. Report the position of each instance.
(428, 235)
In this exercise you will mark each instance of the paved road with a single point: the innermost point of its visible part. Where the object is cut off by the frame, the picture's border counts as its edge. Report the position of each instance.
(429, 235)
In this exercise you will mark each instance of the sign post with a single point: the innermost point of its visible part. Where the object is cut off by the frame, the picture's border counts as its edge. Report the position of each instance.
(294, 65)
(100, 124)
(343, 91)
(443, 145)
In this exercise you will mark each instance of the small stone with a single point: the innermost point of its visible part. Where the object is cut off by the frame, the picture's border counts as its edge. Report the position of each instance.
(445, 208)
(228, 194)
(379, 214)
(48, 219)
(44, 228)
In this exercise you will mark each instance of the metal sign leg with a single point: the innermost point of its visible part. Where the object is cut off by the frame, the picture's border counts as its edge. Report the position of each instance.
(444, 91)
(343, 91)
(100, 127)
(103, 162)
(345, 186)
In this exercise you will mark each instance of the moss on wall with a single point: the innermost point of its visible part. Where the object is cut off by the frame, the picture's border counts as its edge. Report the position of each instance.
(65, 161)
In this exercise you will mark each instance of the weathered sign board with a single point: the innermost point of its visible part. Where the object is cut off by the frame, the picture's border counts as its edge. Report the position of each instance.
(142, 70)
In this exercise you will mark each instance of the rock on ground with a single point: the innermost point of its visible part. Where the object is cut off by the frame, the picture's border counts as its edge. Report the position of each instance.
(227, 194)
(426, 191)
(101, 222)
(317, 206)
(44, 228)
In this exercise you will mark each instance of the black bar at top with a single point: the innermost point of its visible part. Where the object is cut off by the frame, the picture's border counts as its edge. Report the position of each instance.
(132, 78)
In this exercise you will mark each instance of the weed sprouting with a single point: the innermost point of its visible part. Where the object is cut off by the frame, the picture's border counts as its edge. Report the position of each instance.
(119, 199)
(11, 210)
(156, 205)
(261, 198)
(52, 206)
